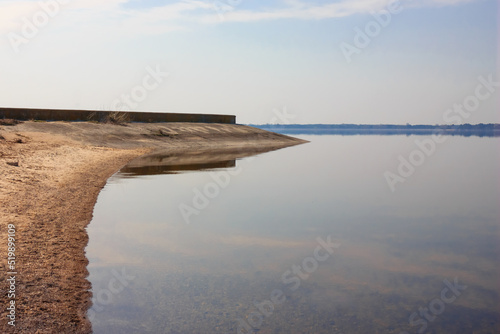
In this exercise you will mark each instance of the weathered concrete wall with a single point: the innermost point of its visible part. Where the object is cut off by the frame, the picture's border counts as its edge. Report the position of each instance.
(100, 116)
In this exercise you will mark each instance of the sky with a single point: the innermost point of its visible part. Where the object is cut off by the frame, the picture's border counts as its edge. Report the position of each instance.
(276, 61)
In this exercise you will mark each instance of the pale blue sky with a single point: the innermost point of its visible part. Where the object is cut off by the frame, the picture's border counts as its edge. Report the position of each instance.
(251, 58)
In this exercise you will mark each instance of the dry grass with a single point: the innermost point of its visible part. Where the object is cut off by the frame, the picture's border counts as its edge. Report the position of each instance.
(9, 122)
(114, 117)
(119, 118)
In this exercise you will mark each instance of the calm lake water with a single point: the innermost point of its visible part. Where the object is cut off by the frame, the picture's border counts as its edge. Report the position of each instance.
(307, 239)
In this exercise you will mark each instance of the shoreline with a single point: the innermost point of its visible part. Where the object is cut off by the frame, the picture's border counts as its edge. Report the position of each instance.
(51, 176)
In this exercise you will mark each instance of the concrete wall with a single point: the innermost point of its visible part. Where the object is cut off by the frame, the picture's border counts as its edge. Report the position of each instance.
(100, 116)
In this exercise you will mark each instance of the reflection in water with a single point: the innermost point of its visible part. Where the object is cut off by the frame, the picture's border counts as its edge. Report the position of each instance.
(167, 162)
(256, 258)
(155, 165)
(173, 169)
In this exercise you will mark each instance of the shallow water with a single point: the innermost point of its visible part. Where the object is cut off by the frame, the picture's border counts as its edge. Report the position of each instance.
(308, 239)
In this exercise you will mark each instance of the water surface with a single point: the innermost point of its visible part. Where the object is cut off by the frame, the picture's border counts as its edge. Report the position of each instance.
(237, 246)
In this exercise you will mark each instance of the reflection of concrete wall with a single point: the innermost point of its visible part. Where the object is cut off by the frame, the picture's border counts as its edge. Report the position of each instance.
(174, 169)
(87, 115)
(168, 162)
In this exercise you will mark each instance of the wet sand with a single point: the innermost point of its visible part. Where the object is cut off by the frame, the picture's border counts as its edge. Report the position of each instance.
(50, 177)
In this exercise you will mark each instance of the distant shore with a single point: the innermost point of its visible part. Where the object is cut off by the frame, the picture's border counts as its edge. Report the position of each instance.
(50, 176)
(480, 130)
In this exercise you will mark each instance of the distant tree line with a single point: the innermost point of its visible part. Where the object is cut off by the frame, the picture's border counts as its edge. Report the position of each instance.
(481, 130)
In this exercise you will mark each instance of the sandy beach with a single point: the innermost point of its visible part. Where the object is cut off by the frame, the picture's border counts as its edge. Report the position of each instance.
(50, 176)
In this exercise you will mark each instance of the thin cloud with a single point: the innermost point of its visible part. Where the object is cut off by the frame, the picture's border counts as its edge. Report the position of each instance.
(186, 13)
(296, 9)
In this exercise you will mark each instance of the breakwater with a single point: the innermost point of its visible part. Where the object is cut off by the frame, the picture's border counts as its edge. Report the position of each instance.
(26, 114)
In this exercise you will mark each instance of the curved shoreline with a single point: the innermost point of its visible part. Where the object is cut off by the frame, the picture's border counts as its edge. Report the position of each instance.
(51, 176)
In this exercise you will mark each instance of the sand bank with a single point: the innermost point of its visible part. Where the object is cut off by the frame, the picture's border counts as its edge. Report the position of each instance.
(50, 177)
